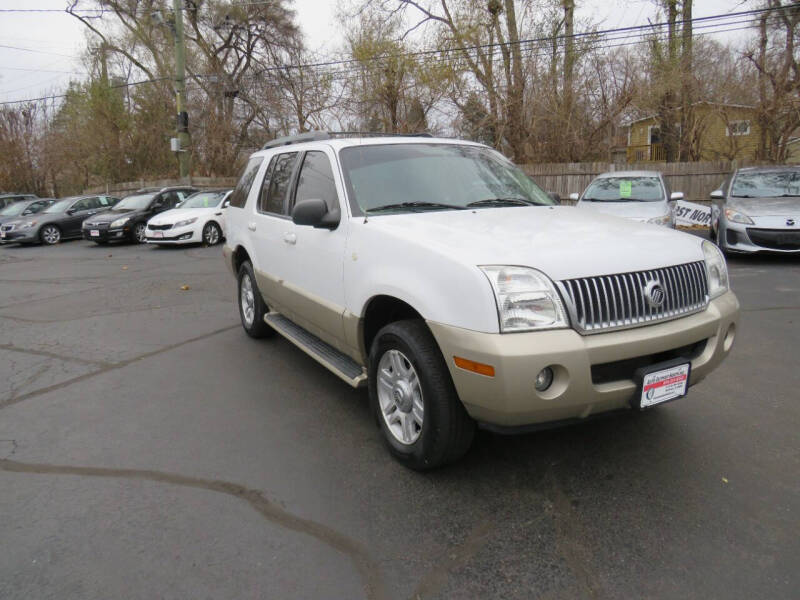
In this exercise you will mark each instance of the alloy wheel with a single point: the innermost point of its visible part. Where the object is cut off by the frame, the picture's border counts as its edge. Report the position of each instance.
(400, 397)
(139, 233)
(211, 234)
(247, 299)
(51, 235)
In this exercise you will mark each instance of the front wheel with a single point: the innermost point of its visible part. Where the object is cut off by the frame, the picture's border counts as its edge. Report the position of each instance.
(50, 235)
(139, 233)
(251, 305)
(423, 422)
(211, 234)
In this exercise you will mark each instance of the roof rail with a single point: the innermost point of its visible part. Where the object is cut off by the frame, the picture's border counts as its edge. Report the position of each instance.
(313, 136)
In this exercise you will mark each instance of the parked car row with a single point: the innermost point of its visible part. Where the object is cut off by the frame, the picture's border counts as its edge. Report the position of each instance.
(756, 209)
(164, 216)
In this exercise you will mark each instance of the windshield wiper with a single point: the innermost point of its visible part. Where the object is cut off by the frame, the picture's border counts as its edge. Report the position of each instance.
(414, 205)
(503, 202)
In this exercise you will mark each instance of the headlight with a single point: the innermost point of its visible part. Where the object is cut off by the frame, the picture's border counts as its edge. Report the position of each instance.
(737, 217)
(119, 222)
(665, 220)
(716, 270)
(185, 222)
(526, 299)
(28, 224)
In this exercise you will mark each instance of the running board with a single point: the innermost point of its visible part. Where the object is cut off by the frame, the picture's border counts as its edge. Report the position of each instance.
(325, 354)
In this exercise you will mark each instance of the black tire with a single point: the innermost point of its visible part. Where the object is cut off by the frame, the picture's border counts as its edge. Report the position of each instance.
(50, 235)
(139, 233)
(256, 328)
(212, 234)
(101, 242)
(447, 430)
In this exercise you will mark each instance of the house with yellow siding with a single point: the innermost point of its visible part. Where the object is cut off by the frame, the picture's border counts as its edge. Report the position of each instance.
(717, 132)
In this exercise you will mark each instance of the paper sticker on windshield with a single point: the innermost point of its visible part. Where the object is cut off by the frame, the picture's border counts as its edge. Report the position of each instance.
(625, 189)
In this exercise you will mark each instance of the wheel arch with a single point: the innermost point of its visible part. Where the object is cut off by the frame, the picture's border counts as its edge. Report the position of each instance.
(239, 256)
(379, 311)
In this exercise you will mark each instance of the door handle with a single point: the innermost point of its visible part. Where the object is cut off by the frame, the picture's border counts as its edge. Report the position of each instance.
(290, 238)
(251, 226)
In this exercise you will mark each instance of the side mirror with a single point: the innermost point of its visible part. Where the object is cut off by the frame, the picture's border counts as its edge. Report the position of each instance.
(574, 196)
(226, 204)
(315, 212)
(72, 211)
(556, 198)
(676, 196)
(717, 195)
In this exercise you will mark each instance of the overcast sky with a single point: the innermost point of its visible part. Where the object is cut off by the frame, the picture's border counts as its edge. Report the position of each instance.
(58, 39)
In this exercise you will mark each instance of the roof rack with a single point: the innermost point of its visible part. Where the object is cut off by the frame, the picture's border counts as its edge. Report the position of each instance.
(314, 136)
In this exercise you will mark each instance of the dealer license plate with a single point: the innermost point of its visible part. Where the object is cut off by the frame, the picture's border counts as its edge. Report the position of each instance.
(664, 384)
(158, 234)
(94, 233)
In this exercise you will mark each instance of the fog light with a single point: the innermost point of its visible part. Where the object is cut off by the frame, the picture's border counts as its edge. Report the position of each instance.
(543, 379)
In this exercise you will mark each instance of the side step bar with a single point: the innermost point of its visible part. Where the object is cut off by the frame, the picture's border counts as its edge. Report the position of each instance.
(325, 354)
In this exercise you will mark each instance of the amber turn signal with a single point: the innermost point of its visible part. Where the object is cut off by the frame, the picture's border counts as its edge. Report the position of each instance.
(475, 367)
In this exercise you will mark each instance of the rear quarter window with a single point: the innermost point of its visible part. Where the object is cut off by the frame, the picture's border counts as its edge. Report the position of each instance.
(242, 189)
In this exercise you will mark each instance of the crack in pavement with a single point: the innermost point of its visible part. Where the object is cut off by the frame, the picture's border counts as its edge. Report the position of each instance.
(95, 314)
(83, 361)
(110, 367)
(368, 569)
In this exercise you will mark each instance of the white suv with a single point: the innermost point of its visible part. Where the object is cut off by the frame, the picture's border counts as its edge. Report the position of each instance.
(438, 274)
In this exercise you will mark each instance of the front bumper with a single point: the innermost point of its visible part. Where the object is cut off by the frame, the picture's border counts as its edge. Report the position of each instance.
(20, 236)
(173, 235)
(593, 374)
(105, 234)
(767, 234)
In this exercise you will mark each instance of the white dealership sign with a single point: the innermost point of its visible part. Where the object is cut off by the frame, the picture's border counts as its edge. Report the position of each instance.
(689, 213)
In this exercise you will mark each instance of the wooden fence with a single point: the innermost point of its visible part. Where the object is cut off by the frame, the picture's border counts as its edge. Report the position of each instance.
(695, 179)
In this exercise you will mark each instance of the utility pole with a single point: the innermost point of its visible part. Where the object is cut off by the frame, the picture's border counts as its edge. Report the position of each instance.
(184, 141)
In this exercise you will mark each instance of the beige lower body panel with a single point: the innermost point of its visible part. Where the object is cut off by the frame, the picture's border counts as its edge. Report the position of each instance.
(510, 399)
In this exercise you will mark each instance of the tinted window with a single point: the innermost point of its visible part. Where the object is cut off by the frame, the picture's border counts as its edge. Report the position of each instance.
(83, 204)
(242, 189)
(273, 192)
(316, 180)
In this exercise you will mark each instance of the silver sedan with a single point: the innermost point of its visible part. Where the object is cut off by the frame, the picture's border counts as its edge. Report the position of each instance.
(757, 209)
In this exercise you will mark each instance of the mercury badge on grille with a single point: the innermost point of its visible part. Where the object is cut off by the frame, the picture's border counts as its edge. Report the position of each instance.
(654, 293)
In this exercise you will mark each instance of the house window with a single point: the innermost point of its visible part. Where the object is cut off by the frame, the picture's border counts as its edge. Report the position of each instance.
(738, 128)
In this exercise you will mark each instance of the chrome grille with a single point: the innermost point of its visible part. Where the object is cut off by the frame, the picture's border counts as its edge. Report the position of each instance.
(609, 302)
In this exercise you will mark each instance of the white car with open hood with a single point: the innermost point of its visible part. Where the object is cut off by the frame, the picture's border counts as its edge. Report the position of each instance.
(439, 275)
(198, 219)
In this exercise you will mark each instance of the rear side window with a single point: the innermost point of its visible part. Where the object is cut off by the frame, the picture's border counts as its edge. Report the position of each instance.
(316, 180)
(242, 189)
(273, 192)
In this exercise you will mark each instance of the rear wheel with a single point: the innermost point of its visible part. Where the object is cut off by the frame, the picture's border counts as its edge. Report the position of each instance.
(423, 422)
(211, 234)
(50, 234)
(252, 307)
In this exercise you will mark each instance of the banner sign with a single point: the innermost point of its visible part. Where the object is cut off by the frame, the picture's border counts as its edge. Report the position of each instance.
(689, 213)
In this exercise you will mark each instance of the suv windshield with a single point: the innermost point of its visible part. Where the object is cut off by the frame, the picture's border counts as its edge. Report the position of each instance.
(770, 184)
(136, 202)
(203, 200)
(415, 177)
(60, 206)
(624, 189)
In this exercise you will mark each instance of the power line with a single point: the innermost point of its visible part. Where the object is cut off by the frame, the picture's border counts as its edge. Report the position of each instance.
(705, 22)
(38, 51)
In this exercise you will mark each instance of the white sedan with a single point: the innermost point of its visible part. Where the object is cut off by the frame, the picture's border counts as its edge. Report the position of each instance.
(199, 218)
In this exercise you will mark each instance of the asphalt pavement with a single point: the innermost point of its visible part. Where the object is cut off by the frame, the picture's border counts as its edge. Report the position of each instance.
(150, 449)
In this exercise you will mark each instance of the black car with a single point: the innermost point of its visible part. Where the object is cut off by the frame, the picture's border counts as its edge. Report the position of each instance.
(128, 219)
(23, 208)
(7, 199)
(59, 221)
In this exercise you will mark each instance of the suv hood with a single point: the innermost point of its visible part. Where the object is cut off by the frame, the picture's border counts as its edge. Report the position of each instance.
(169, 217)
(766, 207)
(628, 210)
(563, 242)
